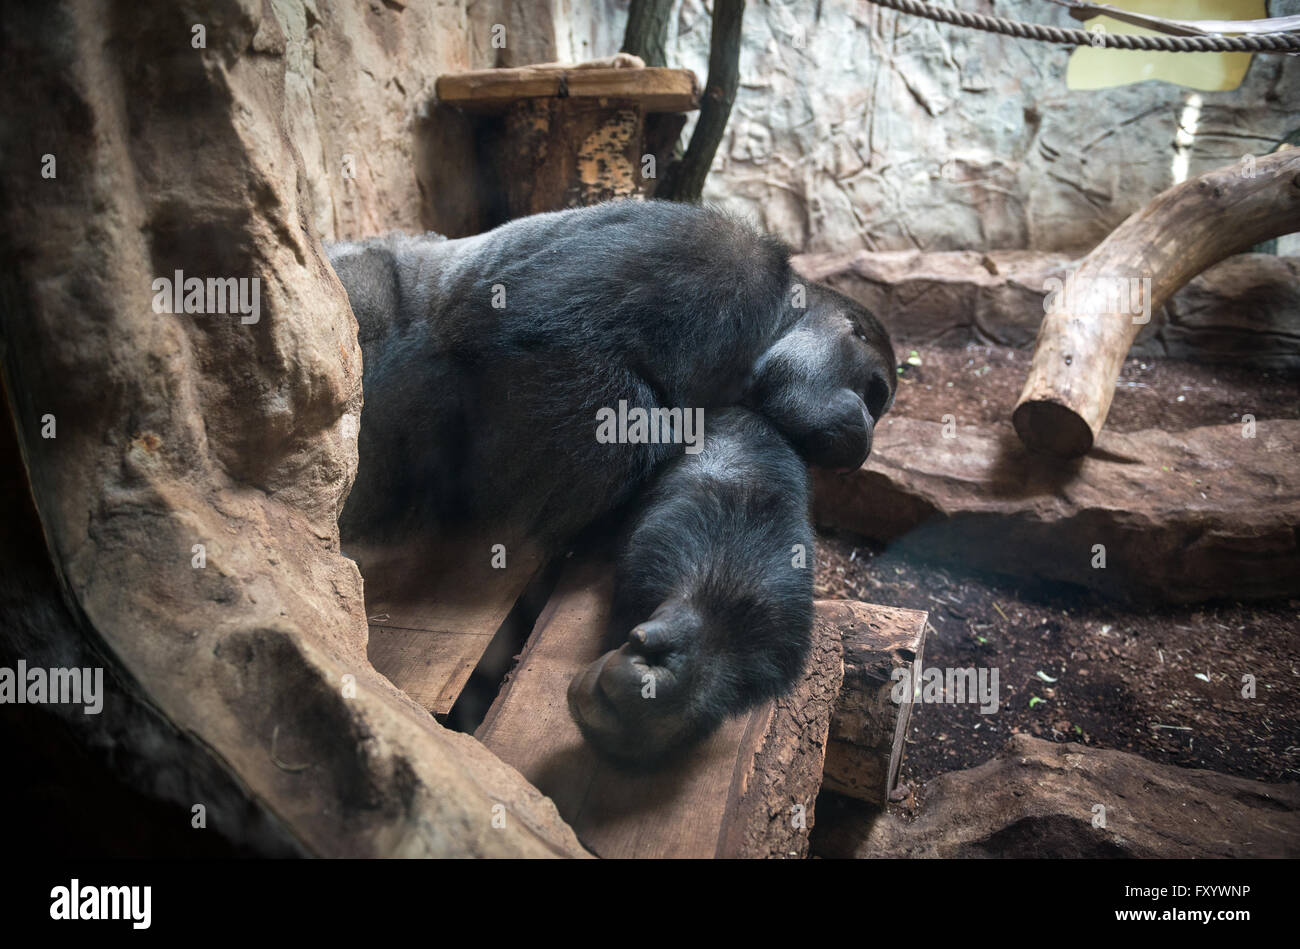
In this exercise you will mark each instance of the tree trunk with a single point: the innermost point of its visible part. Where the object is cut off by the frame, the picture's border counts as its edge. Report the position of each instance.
(647, 30)
(684, 180)
(1084, 337)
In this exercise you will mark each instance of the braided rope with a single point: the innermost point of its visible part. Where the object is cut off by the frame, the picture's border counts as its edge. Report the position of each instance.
(1255, 43)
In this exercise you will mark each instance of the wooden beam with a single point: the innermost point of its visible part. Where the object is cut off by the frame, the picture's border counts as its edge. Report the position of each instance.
(748, 791)
(869, 727)
(1082, 341)
(652, 89)
(432, 612)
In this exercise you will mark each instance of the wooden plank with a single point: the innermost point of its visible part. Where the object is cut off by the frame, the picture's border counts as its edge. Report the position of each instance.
(735, 795)
(869, 728)
(433, 611)
(653, 89)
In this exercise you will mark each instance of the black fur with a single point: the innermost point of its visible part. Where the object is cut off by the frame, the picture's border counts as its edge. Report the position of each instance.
(713, 596)
(485, 416)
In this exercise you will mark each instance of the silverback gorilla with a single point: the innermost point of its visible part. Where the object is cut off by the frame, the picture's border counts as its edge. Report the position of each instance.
(488, 361)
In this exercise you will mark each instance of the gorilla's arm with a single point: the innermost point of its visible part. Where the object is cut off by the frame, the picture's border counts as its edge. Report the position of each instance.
(713, 596)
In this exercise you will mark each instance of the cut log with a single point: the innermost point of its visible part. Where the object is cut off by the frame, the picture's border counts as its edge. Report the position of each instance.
(557, 136)
(1087, 333)
(432, 613)
(868, 729)
(568, 153)
(748, 791)
(654, 89)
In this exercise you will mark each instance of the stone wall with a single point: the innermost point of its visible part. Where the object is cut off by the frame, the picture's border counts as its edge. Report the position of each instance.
(175, 477)
(888, 132)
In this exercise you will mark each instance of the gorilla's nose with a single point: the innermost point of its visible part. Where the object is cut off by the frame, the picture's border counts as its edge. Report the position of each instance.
(880, 393)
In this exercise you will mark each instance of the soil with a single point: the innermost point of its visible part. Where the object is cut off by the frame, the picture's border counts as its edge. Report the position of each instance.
(1166, 684)
(1075, 668)
(980, 385)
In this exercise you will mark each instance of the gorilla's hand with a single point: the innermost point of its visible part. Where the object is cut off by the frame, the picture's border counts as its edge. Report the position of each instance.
(622, 705)
(641, 702)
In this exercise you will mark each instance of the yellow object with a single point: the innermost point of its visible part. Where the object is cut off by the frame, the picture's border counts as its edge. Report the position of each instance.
(1092, 68)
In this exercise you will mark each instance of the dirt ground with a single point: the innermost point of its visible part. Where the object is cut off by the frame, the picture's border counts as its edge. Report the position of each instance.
(1073, 667)
(1166, 684)
(980, 385)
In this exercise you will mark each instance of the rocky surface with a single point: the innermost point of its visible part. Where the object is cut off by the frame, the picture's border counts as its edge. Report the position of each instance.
(1183, 516)
(185, 504)
(1045, 799)
(855, 127)
(1245, 310)
(859, 127)
(378, 152)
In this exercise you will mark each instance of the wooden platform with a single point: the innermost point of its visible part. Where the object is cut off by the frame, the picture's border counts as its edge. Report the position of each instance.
(652, 89)
(748, 791)
(722, 800)
(432, 615)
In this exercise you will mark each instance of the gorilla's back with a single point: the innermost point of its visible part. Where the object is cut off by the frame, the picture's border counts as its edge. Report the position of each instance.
(486, 358)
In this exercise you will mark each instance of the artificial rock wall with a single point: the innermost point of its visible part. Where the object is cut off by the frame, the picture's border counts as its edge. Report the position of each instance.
(860, 128)
(174, 478)
(855, 127)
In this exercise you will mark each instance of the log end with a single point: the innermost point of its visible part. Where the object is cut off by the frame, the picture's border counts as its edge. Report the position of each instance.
(1051, 427)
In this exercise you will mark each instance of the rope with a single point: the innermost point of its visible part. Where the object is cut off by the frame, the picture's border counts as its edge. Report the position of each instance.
(1256, 43)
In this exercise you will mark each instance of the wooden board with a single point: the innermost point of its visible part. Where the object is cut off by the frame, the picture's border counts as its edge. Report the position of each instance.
(738, 794)
(654, 89)
(869, 728)
(433, 611)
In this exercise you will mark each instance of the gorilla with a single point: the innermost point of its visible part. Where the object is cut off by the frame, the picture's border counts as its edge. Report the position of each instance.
(712, 597)
(487, 360)
(489, 363)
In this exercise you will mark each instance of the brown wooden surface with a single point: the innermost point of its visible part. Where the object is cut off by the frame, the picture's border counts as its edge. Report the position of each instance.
(432, 612)
(869, 728)
(733, 796)
(653, 89)
(569, 153)
(1081, 346)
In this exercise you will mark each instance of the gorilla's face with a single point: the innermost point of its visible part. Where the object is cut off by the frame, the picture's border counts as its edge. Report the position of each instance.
(826, 383)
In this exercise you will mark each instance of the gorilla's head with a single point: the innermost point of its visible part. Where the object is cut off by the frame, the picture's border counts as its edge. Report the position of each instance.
(827, 381)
